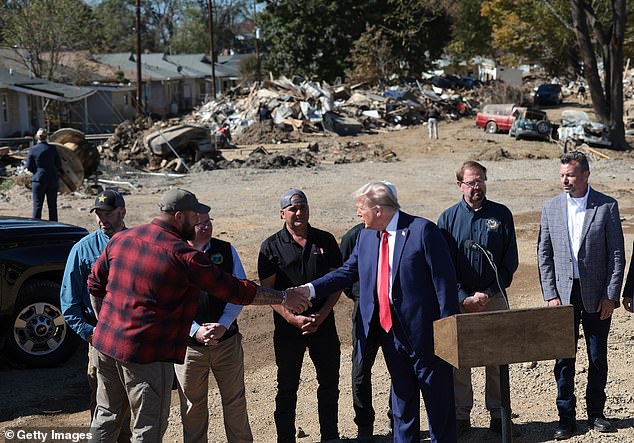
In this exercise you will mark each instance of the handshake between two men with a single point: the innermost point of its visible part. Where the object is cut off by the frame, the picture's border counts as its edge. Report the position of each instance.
(297, 299)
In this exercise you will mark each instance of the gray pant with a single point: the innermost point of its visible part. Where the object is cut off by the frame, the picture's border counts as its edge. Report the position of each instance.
(463, 389)
(432, 128)
(146, 388)
(125, 435)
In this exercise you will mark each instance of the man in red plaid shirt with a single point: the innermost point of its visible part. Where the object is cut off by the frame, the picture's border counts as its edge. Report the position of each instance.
(145, 289)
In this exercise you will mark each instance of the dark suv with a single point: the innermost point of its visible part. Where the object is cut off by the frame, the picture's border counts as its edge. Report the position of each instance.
(32, 259)
(549, 94)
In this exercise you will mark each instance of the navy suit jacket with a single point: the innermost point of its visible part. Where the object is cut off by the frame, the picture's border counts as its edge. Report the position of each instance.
(44, 162)
(424, 285)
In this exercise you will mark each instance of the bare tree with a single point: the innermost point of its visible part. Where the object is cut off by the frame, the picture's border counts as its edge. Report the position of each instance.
(40, 30)
(601, 37)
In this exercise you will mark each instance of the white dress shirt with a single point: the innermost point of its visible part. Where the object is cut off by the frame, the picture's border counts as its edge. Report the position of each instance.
(576, 215)
(391, 230)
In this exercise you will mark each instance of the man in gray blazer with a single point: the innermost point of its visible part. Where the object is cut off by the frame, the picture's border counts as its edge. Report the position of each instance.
(581, 261)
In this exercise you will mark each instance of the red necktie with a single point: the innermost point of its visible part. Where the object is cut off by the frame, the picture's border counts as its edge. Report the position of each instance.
(383, 283)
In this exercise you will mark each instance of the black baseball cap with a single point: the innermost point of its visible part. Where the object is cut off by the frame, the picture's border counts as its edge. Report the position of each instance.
(108, 200)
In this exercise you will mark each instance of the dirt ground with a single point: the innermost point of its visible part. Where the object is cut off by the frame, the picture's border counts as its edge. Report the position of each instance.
(522, 174)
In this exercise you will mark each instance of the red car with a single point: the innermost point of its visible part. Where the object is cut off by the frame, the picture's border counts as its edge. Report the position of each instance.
(496, 118)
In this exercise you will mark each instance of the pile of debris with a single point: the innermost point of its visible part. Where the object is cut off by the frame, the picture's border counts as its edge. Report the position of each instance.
(312, 155)
(266, 132)
(126, 144)
(282, 111)
(305, 106)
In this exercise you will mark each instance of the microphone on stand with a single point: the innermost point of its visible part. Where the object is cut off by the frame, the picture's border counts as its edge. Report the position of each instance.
(472, 245)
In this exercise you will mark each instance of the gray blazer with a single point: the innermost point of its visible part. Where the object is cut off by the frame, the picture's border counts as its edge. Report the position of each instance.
(601, 252)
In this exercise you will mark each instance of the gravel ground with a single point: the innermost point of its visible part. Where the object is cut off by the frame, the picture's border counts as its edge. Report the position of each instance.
(245, 208)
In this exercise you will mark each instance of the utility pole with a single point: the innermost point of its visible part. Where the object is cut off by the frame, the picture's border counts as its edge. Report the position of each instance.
(257, 42)
(211, 49)
(139, 81)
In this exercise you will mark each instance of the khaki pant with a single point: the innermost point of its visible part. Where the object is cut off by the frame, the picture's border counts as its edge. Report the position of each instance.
(226, 361)
(462, 378)
(125, 435)
(145, 388)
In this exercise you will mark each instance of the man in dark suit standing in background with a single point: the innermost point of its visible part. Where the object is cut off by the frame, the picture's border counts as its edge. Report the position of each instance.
(44, 162)
(407, 281)
(581, 260)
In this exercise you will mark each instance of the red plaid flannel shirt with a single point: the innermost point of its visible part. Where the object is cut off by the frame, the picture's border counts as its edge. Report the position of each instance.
(149, 279)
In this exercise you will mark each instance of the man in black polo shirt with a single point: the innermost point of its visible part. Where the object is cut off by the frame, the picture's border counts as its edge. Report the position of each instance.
(215, 343)
(297, 254)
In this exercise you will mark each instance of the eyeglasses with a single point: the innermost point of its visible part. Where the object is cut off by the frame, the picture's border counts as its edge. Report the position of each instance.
(204, 225)
(475, 183)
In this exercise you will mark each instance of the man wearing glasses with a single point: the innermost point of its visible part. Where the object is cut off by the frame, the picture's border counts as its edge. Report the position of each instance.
(214, 343)
(489, 225)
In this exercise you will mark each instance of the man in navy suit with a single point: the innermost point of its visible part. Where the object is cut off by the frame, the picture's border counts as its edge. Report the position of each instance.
(44, 162)
(407, 280)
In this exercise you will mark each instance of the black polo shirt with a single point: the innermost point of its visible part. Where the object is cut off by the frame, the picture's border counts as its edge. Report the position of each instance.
(295, 265)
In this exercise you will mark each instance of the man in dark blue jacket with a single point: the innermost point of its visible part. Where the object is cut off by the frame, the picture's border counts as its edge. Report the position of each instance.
(44, 162)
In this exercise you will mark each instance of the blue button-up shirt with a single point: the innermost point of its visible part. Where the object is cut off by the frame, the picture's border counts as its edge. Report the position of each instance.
(492, 227)
(74, 296)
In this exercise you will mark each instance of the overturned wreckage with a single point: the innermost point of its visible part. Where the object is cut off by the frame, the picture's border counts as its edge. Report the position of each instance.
(175, 139)
(576, 127)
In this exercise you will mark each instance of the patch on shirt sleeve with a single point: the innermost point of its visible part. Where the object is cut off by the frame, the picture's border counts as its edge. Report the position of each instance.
(493, 224)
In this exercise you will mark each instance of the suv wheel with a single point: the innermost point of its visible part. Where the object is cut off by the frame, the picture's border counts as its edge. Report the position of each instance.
(491, 128)
(543, 127)
(39, 335)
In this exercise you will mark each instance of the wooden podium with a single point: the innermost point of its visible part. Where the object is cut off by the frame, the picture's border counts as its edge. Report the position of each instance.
(498, 338)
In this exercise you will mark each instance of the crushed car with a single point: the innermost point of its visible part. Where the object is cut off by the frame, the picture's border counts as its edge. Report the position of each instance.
(530, 124)
(577, 127)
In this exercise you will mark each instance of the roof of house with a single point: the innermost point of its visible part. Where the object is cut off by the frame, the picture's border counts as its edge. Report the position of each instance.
(200, 63)
(158, 66)
(232, 62)
(12, 80)
(126, 63)
(107, 68)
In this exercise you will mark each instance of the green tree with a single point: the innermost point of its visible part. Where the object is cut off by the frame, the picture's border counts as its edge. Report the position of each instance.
(116, 20)
(41, 30)
(191, 33)
(470, 30)
(371, 58)
(311, 38)
(418, 31)
(528, 32)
